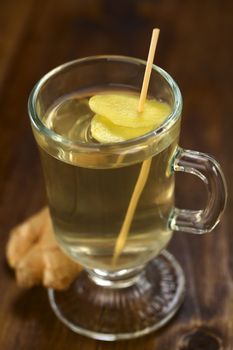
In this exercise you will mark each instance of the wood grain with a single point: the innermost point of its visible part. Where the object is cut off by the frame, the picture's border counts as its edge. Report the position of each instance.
(195, 47)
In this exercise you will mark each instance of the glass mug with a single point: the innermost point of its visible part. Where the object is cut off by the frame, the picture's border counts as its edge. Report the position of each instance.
(90, 186)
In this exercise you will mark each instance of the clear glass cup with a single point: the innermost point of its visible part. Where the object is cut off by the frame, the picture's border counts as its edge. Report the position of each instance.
(90, 186)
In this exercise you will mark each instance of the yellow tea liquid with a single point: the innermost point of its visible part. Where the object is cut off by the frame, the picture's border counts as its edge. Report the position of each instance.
(88, 203)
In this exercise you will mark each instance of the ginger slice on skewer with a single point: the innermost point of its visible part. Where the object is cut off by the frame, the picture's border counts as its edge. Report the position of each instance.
(145, 168)
(121, 117)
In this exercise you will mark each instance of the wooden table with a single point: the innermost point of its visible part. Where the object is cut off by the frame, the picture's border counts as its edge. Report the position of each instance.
(195, 46)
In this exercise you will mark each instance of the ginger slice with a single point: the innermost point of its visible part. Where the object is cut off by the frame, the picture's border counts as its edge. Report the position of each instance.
(36, 257)
(106, 132)
(122, 109)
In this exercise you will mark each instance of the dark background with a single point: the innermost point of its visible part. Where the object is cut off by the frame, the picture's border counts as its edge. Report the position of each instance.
(195, 47)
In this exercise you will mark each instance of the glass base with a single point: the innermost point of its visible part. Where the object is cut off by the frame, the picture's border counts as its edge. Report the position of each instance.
(111, 313)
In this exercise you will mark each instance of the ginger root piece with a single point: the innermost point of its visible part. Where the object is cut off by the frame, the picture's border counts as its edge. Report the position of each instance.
(36, 257)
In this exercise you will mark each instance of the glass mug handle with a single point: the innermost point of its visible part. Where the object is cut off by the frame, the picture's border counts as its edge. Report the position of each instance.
(209, 171)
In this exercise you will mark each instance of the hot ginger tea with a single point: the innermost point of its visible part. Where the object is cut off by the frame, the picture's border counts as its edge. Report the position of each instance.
(89, 198)
(109, 157)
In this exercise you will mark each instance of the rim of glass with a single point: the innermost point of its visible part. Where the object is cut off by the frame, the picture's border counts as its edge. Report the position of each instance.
(40, 126)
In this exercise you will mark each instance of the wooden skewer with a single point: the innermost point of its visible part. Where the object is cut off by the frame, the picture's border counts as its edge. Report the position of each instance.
(150, 60)
(145, 168)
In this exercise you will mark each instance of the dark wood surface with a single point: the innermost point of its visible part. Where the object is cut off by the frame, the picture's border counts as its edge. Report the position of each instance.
(195, 47)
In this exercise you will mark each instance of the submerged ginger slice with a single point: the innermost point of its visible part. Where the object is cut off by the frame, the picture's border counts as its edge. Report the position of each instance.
(105, 131)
